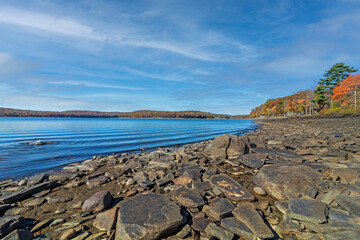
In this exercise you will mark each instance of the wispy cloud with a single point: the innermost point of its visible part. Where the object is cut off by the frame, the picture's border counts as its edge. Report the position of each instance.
(96, 85)
(153, 76)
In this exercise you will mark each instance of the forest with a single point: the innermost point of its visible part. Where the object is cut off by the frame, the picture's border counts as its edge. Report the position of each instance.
(10, 112)
(337, 92)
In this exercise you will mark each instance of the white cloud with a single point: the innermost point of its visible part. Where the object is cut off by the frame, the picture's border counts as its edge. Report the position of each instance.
(153, 76)
(90, 84)
(49, 23)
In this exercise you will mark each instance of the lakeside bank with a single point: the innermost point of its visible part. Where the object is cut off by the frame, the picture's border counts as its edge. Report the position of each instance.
(294, 177)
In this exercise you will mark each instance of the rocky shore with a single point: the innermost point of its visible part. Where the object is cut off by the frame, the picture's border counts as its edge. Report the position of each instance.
(292, 179)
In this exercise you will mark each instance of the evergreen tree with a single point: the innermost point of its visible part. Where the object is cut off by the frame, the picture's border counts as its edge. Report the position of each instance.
(320, 98)
(337, 73)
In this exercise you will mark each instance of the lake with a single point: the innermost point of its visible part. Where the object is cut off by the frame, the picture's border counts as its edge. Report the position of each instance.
(76, 139)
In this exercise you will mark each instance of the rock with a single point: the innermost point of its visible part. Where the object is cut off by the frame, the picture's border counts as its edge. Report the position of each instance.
(8, 224)
(235, 226)
(105, 221)
(346, 175)
(218, 232)
(147, 184)
(253, 160)
(98, 202)
(217, 147)
(41, 225)
(246, 213)
(57, 199)
(285, 181)
(60, 211)
(350, 203)
(308, 210)
(220, 208)
(329, 197)
(57, 222)
(348, 235)
(189, 198)
(38, 178)
(34, 203)
(76, 205)
(42, 193)
(331, 226)
(82, 236)
(263, 205)
(28, 191)
(147, 216)
(260, 191)
(130, 182)
(95, 182)
(232, 189)
(239, 145)
(19, 234)
(202, 186)
(22, 182)
(140, 177)
(68, 234)
(63, 176)
(226, 145)
(185, 230)
(199, 223)
(182, 180)
(289, 226)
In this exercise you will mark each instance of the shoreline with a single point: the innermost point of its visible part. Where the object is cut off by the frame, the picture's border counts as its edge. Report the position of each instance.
(185, 173)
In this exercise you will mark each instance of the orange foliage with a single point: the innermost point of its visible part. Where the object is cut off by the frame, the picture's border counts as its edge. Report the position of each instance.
(343, 92)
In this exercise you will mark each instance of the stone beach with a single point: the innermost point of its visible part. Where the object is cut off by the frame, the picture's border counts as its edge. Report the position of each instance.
(293, 178)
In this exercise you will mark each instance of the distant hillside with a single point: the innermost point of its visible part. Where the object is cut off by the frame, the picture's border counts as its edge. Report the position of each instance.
(9, 112)
(298, 103)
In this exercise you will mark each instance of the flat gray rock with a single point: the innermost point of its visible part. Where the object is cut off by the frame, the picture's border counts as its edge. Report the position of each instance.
(285, 181)
(220, 208)
(8, 224)
(231, 188)
(189, 198)
(350, 203)
(235, 226)
(253, 160)
(213, 230)
(308, 210)
(146, 217)
(63, 176)
(247, 214)
(26, 192)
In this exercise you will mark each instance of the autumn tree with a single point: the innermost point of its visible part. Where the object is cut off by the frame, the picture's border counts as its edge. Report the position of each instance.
(347, 89)
(331, 79)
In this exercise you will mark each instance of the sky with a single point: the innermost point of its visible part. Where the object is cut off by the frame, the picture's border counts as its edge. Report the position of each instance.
(208, 55)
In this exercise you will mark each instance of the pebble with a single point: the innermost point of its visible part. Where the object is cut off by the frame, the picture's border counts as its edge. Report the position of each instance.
(260, 191)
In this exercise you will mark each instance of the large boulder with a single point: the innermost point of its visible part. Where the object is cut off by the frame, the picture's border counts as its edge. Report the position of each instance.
(147, 216)
(227, 146)
(285, 181)
(97, 202)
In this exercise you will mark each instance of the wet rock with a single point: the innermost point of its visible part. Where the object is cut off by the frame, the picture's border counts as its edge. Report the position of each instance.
(285, 181)
(220, 208)
(8, 224)
(189, 198)
(105, 221)
(232, 189)
(26, 192)
(246, 213)
(218, 232)
(236, 226)
(19, 234)
(253, 160)
(98, 202)
(147, 216)
(349, 203)
(308, 210)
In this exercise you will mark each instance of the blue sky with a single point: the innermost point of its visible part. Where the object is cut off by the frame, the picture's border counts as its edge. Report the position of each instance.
(215, 56)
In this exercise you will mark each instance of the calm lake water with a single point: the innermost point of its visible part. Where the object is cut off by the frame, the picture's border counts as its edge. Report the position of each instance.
(79, 139)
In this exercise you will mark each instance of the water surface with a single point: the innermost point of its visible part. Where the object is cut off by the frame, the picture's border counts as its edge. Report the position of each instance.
(77, 139)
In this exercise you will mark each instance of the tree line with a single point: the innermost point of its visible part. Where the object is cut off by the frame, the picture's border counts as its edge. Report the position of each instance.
(337, 92)
(10, 112)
